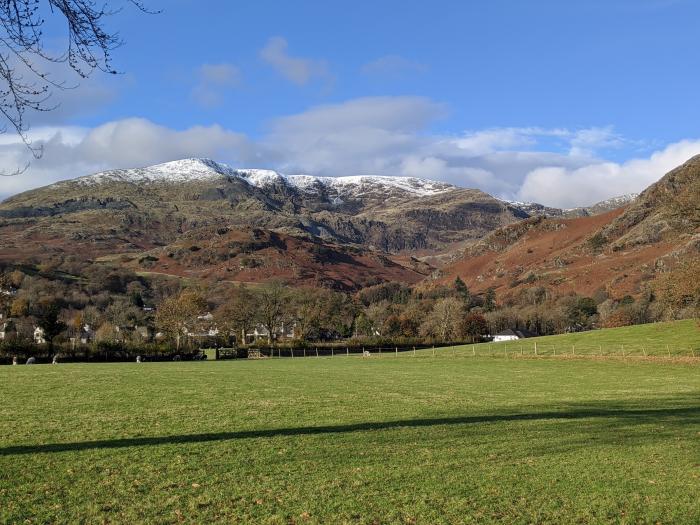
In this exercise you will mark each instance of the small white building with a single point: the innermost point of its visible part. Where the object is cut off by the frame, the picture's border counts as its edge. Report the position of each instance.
(39, 335)
(6, 327)
(511, 335)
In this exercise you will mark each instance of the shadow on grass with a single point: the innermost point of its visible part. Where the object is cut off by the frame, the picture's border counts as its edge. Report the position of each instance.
(690, 415)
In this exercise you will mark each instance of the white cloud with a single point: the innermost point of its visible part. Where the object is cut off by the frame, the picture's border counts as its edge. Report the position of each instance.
(391, 66)
(374, 135)
(73, 152)
(601, 180)
(213, 81)
(297, 70)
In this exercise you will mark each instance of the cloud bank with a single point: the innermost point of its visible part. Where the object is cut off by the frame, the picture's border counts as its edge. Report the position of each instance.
(373, 135)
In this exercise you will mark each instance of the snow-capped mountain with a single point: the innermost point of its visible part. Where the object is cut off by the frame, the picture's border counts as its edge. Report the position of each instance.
(390, 214)
(199, 169)
(334, 190)
(536, 209)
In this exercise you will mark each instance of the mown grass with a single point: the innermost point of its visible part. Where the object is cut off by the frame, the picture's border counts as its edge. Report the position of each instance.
(674, 339)
(351, 440)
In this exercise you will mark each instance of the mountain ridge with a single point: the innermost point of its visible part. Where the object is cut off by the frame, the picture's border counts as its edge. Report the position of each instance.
(167, 217)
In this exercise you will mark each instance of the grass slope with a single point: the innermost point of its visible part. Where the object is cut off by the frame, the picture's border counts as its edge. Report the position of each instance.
(676, 338)
(351, 440)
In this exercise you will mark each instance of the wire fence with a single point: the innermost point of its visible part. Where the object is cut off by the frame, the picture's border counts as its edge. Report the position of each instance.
(493, 350)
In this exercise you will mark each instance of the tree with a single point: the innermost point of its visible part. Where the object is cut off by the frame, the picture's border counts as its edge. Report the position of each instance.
(490, 300)
(462, 291)
(47, 312)
(122, 313)
(272, 300)
(444, 323)
(309, 311)
(679, 289)
(475, 326)
(25, 61)
(5, 294)
(238, 312)
(320, 313)
(580, 310)
(177, 313)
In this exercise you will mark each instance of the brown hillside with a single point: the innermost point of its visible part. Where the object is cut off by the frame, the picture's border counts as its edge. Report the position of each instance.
(618, 250)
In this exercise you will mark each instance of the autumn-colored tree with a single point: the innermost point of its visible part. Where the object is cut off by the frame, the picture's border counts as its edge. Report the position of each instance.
(623, 316)
(176, 314)
(679, 289)
(475, 326)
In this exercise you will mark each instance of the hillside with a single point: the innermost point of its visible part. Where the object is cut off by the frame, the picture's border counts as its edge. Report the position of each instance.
(618, 250)
(249, 225)
(674, 339)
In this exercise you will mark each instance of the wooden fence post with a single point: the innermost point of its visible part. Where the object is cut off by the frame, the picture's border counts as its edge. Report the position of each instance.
(396, 351)
(668, 350)
(535, 347)
(433, 351)
(292, 350)
(332, 352)
(347, 351)
(316, 351)
(414, 351)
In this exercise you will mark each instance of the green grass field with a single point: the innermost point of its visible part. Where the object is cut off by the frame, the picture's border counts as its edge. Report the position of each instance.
(674, 339)
(352, 440)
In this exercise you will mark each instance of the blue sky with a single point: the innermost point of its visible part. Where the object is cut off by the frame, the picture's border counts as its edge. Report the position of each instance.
(561, 102)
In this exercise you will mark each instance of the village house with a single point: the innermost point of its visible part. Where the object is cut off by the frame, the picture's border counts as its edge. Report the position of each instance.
(284, 331)
(7, 327)
(511, 335)
(39, 335)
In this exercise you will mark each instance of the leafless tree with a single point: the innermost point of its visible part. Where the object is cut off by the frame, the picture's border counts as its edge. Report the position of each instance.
(25, 83)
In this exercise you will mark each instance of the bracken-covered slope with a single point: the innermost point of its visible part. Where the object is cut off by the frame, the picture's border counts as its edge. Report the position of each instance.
(618, 250)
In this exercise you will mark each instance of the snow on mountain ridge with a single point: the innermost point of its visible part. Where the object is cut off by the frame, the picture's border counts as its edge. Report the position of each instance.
(204, 169)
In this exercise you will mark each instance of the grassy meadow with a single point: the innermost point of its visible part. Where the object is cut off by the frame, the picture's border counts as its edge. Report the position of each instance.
(669, 339)
(352, 440)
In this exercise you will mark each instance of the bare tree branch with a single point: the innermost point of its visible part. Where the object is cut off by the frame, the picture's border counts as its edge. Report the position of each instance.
(89, 48)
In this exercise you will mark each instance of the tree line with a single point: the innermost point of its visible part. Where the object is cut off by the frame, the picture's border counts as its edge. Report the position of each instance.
(76, 305)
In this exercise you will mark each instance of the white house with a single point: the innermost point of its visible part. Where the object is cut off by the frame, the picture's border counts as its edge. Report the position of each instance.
(39, 335)
(87, 334)
(284, 331)
(6, 327)
(511, 335)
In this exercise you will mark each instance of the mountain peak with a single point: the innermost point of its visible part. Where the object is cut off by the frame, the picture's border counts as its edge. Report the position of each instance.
(175, 171)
